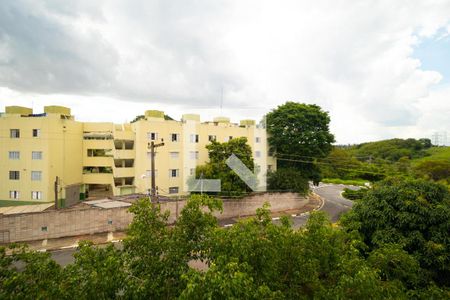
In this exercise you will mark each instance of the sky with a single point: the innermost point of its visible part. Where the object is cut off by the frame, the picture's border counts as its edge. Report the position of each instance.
(380, 68)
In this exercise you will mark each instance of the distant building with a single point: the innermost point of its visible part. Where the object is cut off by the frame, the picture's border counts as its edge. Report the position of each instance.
(106, 159)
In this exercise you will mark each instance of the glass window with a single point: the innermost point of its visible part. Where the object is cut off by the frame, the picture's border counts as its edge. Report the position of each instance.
(153, 136)
(148, 173)
(174, 154)
(14, 155)
(211, 138)
(257, 153)
(192, 171)
(14, 133)
(36, 133)
(173, 190)
(14, 175)
(230, 137)
(194, 138)
(175, 137)
(36, 175)
(193, 154)
(14, 194)
(258, 139)
(35, 195)
(173, 173)
(36, 155)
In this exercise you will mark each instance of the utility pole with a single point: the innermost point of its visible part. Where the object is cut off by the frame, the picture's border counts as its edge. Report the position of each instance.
(56, 192)
(152, 147)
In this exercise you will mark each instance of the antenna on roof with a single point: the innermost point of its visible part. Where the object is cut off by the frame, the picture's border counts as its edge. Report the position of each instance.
(221, 98)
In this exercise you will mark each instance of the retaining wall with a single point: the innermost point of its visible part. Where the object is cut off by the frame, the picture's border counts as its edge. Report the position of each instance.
(90, 220)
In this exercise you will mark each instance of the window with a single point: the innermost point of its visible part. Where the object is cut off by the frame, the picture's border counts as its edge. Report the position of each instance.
(257, 153)
(36, 133)
(173, 190)
(36, 175)
(230, 137)
(44, 228)
(14, 155)
(175, 137)
(14, 175)
(194, 138)
(173, 173)
(257, 139)
(153, 136)
(36, 155)
(14, 133)
(269, 167)
(109, 222)
(193, 154)
(192, 171)
(14, 194)
(174, 154)
(36, 195)
(211, 138)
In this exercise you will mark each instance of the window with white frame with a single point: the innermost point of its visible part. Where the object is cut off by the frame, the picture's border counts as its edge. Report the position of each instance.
(36, 175)
(14, 175)
(257, 153)
(175, 137)
(194, 138)
(36, 133)
(14, 133)
(152, 136)
(173, 190)
(193, 154)
(257, 139)
(36, 195)
(36, 155)
(211, 138)
(14, 155)
(174, 154)
(174, 173)
(14, 194)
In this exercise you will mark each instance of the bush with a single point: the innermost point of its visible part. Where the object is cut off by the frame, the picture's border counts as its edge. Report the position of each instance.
(354, 194)
(288, 179)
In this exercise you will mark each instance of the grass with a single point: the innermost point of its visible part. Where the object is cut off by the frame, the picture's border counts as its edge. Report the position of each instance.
(436, 153)
(359, 182)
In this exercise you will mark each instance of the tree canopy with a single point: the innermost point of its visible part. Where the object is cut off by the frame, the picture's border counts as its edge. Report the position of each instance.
(298, 134)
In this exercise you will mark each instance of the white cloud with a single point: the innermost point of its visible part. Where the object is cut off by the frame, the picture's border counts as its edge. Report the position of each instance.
(352, 58)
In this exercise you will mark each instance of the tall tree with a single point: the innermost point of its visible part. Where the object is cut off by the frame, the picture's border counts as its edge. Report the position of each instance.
(299, 133)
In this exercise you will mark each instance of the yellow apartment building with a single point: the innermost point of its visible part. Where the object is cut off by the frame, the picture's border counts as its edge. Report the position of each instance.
(50, 156)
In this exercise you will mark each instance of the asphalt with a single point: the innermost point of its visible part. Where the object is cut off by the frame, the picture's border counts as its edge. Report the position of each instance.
(334, 205)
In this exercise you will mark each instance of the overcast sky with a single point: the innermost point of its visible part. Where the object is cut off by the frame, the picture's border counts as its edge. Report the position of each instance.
(380, 68)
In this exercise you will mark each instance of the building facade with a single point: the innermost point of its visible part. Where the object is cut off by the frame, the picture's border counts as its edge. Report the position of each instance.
(52, 156)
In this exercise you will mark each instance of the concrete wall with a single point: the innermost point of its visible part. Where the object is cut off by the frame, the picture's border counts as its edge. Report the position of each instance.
(89, 220)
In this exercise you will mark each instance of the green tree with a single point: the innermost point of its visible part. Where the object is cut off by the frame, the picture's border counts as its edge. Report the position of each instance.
(411, 213)
(298, 134)
(217, 168)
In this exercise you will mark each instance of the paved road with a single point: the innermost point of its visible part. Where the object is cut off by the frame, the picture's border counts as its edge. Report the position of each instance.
(334, 206)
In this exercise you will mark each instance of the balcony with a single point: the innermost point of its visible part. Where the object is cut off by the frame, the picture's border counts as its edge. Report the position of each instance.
(124, 135)
(98, 178)
(123, 172)
(98, 144)
(98, 161)
(124, 154)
